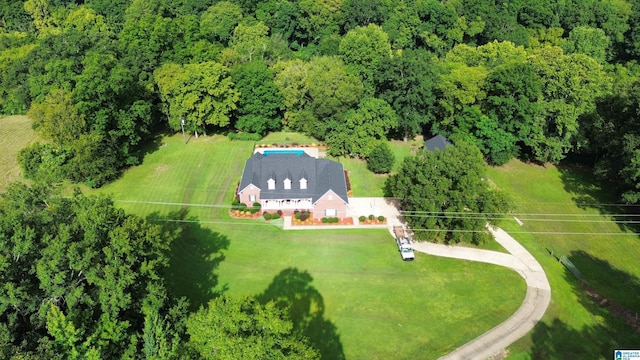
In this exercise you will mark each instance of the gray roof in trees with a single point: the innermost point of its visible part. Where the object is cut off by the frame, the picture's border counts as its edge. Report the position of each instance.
(437, 142)
(322, 175)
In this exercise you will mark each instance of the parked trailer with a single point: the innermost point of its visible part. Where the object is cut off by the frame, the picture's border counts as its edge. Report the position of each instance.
(404, 243)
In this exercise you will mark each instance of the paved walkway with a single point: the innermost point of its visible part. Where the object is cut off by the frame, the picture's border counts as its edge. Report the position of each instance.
(535, 303)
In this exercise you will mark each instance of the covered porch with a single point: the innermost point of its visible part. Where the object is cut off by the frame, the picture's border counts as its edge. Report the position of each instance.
(286, 204)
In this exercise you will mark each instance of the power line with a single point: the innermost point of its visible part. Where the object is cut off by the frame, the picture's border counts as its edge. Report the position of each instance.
(593, 204)
(442, 214)
(433, 214)
(523, 219)
(210, 222)
(414, 230)
(531, 232)
(512, 213)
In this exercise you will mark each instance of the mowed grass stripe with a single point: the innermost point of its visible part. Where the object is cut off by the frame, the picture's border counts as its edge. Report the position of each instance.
(197, 172)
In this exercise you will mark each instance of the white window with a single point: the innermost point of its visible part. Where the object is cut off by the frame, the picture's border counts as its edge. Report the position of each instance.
(287, 184)
(330, 197)
(303, 183)
(271, 184)
(330, 212)
(252, 198)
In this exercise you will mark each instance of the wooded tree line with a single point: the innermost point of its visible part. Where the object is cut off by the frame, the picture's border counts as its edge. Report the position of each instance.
(536, 79)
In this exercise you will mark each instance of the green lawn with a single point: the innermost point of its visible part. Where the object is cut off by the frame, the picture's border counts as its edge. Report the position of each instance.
(287, 138)
(16, 133)
(354, 296)
(365, 183)
(573, 327)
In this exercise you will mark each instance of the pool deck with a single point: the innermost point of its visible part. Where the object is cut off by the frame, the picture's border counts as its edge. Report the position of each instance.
(311, 151)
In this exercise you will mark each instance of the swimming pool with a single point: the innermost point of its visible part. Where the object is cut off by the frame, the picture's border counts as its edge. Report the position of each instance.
(274, 152)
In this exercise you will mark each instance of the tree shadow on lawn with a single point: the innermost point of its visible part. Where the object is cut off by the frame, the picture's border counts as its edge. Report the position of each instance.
(194, 257)
(560, 340)
(291, 290)
(588, 192)
(149, 146)
(616, 285)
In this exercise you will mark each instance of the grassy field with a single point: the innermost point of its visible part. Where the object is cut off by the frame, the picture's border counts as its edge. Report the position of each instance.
(15, 134)
(365, 183)
(574, 326)
(352, 294)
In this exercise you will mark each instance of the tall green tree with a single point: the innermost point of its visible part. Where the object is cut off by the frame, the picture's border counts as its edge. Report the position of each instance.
(260, 101)
(316, 92)
(364, 48)
(570, 86)
(250, 41)
(362, 128)
(319, 18)
(589, 41)
(614, 140)
(219, 20)
(402, 26)
(82, 278)
(364, 12)
(332, 91)
(407, 82)
(200, 94)
(230, 328)
(381, 158)
(513, 94)
(283, 18)
(444, 195)
(57, 119)
(146, 39)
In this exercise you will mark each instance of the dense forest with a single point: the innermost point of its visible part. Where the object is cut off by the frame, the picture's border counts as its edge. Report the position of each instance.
(541, 80)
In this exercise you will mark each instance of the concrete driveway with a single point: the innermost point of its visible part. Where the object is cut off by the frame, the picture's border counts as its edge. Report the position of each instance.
(493, 342)
(365, 206)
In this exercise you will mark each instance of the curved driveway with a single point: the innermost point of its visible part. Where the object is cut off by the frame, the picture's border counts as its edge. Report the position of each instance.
(535, 303)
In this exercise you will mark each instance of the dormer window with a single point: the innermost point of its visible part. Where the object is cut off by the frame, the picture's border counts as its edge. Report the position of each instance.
(287, 184)
(271, 184)
(303, 184)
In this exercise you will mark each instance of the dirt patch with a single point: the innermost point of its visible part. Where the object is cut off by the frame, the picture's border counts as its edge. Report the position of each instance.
(161, 169)
(630, 318)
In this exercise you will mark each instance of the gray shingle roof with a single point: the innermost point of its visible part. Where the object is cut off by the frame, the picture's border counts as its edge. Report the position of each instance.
(437, 142)
(322, 175)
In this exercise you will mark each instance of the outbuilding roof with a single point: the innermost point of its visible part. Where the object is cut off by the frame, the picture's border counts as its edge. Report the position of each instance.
(437, 142)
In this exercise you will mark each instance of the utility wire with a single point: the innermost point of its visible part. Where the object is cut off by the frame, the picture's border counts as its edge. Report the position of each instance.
(443, 214)
(523, 219)
(511, 213)
(414, 230)
(594, 204)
